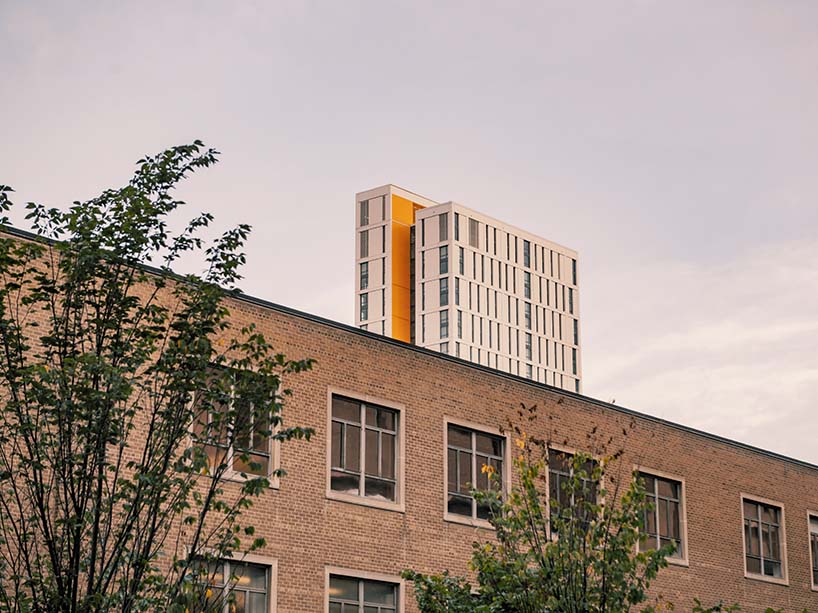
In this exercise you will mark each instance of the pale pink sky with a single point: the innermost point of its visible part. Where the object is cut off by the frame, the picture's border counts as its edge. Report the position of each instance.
(674, 145)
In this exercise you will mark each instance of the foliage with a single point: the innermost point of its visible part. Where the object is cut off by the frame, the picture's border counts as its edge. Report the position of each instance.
(574, 551)
(106, 367)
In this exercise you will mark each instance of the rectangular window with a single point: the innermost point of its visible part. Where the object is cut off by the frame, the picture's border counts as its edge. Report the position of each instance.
(365, 244)
(528, 371)
(457, 226)
(526, 254)
(444, 348)
(364, 275)
(813, 542)
(663, 521)
(237, 586)
(444, 260)
(444, 291)
(364, 307)
(573, 271)
(474, 232)
(574, 359)
(352, 595)
(763, 542)
(364, 212)
(468, 451)
(457, 291)
(527, 316)
(444, 324)
(234, 426)
(527, 346)
(527, 284)
(571, 301)
(576, 332)
(461, 257)
(364, 449)
(443, 228)
(560, 473)
(460, 324)
(423, 232)
(422, 264)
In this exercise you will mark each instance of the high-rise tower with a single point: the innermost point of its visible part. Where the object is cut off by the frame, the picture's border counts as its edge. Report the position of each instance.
(451, 279)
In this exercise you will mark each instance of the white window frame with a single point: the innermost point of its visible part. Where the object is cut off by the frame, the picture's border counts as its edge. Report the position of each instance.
(784, 578)
(365, 576)
(274, 446)
(685, 559)
(812, 561)
(399, 504)
(462, 519)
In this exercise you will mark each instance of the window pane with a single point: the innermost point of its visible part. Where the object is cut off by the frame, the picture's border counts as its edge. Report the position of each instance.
(258, 603)
(388, 455)
(664, 528)
(459, 437)
(769, 514)
(348, 410)
(489, 444)
(465, 477)
(372, 464)
(376, 592)
(452, 471)
(668, 488)
(750, 510)
(335, 607)
(772, 569)
(252, 463)
(754, 565)
(343, 588)
(238, 602)
(751, 538)
(379, 489)
(353, 448)
(460, 505)
(344, 482)
(249, 575)
(337, 443)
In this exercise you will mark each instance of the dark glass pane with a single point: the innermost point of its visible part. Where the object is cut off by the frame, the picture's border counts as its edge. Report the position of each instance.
(386, 419)
(559, 461)
(668, 489)
(497, 480)
(751, 538)
(459, 437)
(753, 565)
(650, 522)
(377, 592)
(249, 575)
(465, 478)
(647, 544)
(460, 505)
(343, 482)
(343, 588)
(337, 444)
(388, 455)
(452, 471)
(377, 488)
(772, 569)
(648, 482)
(238, 602)
(258, 603)
(346, 409)
(335, 607)
(243, 425)
(482, 477)
(489, 444)
(353, 448)
(674, 523)
(372, 464)
(750, 510)
(769, 514)
(251, 463)
(483, 511)
(371, 416)
(664, 528)
(775, 544)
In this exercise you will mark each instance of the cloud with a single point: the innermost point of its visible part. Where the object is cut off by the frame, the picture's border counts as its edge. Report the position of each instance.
(730, 347)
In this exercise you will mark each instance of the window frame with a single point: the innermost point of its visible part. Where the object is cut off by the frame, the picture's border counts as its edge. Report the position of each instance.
(361, 575)
(812, 557)
(399, 504)
(572, 451)
(784, 578)
(684, 560)
(506, 483)
(235, 476)
(259, 560)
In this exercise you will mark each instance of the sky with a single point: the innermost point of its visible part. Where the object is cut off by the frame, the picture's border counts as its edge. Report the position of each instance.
(673, 145)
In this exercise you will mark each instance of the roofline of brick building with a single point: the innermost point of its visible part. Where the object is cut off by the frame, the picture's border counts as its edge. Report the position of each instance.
(260, 302)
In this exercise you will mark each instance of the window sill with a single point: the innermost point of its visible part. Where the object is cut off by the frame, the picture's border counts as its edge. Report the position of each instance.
(775, 580)
(363, 501)
(468, 521)
(681, 562)
(236, 477)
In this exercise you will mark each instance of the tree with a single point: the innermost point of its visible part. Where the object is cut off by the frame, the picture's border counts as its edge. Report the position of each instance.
(573, 549)
(133, 417)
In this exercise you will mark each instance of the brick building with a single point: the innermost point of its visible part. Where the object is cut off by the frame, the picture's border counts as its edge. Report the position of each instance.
(340, 532)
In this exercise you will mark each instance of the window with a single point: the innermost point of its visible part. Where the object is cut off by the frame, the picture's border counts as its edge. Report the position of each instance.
(527, 346)
(364, 448)
(574, 271)
(364, 212)
(444, 347)
(457, 226)
(762, 539)
(444, 260)
(423, 232)
(364, 307)
(444, 291)
(468, 451)
(365, 244)
(352, 595)
(663, 522)
(474, 232)
(571, 301)
(444, 324)
(234, 426)
(461, 260)
(528, 316)
(460, 324)
(238, 587)
(457, 291)
(560, 472)
(443, 233)
(813, 541)
(574, 359)
(528, 371)
(527, 284)
(364, 275)
(526, 254)
(576, 332)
